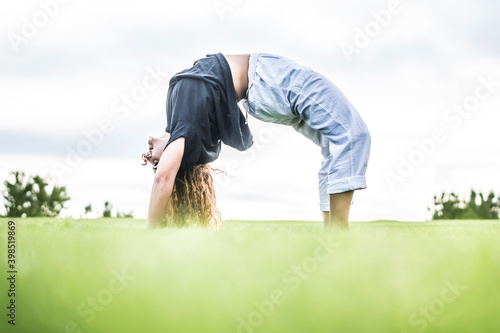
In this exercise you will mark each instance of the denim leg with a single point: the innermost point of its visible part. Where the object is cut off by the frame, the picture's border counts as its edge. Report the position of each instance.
(325, 108)
(324, 198)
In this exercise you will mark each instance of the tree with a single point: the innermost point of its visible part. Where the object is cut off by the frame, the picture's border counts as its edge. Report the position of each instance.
(16, 195)
(489, 207)
(121, 214)
(29, 196)
(88, 209)
(107, 209)
(449, 206)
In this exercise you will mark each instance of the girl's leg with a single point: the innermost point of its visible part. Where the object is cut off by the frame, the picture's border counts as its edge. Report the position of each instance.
(324, 108)
(338, 216)
(335, 207)
(324, 197)
(313, 105)
(340, 204)
(326, 219)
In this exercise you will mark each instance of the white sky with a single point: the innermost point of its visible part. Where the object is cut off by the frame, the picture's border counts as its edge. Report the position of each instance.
(428, 57)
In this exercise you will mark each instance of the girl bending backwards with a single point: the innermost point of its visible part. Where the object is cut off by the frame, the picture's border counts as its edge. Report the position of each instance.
(202, 111)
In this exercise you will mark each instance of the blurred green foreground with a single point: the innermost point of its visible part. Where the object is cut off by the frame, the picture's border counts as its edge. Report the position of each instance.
(114, 275)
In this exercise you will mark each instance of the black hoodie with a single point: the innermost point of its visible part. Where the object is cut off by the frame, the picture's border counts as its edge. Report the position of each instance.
(202, 107)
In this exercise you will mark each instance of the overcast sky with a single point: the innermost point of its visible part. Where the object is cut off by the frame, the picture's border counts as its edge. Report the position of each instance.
(91, 77)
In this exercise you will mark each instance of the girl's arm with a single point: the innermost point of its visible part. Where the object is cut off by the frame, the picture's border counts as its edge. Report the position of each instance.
(167, 169)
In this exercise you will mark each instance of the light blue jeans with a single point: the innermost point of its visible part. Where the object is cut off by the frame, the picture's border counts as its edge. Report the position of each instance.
(284, 92)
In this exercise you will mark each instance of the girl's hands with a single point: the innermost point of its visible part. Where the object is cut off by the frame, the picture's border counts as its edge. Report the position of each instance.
(156, 146)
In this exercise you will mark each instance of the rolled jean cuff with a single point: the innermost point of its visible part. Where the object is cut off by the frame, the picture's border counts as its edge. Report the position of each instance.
(324, 207)
(346, 184)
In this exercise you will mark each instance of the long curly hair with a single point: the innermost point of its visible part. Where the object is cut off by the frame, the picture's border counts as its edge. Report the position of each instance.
(193, 200)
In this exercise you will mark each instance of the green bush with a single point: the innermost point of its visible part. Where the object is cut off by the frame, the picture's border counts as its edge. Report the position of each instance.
(29, 196)
(450, 206)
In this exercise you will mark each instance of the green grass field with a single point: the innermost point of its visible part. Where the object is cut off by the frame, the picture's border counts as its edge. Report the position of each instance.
(114, 275)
